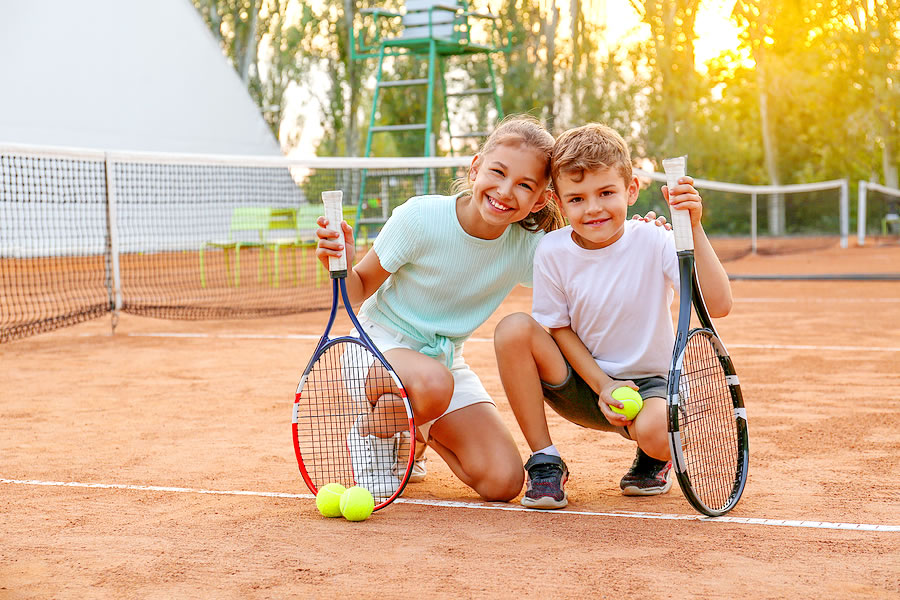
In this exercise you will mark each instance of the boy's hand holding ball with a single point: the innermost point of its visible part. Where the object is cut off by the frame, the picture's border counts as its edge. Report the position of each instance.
(631, 399)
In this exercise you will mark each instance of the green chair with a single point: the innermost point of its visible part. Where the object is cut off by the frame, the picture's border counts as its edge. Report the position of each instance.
(302, 220)
(280, 220)
(243, 218)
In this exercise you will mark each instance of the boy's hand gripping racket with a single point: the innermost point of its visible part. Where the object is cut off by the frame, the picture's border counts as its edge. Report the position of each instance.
(352, 423)
(706, 415)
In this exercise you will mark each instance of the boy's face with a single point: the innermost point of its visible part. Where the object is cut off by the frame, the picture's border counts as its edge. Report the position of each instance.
(596, 206)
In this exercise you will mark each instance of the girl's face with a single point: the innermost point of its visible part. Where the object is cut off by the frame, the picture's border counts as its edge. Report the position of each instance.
(508, 184)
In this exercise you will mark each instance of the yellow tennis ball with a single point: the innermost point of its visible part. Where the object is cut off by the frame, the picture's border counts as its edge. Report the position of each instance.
(328, 500)
(357, 503)
(630, 398)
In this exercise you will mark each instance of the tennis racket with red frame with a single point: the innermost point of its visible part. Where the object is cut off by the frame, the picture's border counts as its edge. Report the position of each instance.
(352, 422)
(706, 417)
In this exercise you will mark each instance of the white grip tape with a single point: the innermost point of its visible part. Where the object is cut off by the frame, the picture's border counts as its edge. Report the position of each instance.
(681, 219)
(334, 212)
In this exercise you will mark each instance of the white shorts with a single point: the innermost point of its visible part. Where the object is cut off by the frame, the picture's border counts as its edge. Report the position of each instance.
(467, 387)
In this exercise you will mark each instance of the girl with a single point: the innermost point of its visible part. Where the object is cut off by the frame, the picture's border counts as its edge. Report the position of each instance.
(439, 268)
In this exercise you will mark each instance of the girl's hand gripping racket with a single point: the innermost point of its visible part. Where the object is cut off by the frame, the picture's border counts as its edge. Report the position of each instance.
(706, 415)
(352, 423)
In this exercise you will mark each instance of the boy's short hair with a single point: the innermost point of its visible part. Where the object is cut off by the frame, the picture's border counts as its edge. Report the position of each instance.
(589, 147)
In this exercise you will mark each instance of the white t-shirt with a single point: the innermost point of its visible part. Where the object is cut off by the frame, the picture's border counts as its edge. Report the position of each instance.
(616, 299)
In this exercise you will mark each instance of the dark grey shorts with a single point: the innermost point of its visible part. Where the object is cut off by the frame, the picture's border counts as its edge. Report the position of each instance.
(575, 401)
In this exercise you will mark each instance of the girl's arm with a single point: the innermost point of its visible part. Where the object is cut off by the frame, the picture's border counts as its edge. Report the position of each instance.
(364, 278)
(710, 273)
(583, 362)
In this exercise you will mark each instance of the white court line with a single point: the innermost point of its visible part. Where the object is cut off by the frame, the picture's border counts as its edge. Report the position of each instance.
(819, 300)
(480, 506)
(817, 348)
(262, 336)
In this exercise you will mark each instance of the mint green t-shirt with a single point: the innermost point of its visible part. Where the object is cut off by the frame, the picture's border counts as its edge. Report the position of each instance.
(444, 283)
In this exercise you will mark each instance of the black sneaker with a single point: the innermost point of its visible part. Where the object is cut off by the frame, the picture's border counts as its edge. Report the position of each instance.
(647, 476)
(547, 476)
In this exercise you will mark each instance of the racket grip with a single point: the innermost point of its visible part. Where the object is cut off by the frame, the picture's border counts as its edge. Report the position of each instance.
(681, 219)
(334, 212)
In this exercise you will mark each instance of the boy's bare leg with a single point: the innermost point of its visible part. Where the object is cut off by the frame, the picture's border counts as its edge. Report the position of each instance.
(650, 429)
(526, 355)
(650, 474)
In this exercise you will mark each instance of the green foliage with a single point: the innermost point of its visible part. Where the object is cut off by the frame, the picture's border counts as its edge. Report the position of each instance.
(821, 76)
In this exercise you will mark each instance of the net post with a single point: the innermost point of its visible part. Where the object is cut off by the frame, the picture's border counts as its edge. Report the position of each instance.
(753, 224)
(861, 214)
(845, 213)
(114, 281)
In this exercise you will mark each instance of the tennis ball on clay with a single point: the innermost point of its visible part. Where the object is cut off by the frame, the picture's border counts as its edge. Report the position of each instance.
(357, 503)
(630, 398)
(328, 500)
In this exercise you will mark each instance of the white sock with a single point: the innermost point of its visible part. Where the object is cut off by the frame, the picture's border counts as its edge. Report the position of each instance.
(551, 450)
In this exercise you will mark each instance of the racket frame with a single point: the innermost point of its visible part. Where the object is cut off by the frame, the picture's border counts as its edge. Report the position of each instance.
(690, 288)
(339, 291)
(690, 296)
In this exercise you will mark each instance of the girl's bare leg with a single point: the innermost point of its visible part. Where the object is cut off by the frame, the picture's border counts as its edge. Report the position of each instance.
(428, 384)
(480, 450)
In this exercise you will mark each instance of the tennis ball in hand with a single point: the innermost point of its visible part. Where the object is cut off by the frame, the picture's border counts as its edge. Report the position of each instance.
(328, 500)
(357, 503)
(630, 398)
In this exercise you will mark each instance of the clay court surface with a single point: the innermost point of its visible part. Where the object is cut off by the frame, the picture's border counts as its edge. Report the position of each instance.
(111, 446)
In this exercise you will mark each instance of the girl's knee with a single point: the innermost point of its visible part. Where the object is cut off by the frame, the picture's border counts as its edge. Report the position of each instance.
(501, 486)
(430, 392)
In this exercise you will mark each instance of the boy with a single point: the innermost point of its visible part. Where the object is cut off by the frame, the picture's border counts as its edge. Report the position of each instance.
(603, 286)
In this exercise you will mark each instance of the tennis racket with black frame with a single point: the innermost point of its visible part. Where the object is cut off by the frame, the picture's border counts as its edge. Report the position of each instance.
(341, 434)
(707, 421)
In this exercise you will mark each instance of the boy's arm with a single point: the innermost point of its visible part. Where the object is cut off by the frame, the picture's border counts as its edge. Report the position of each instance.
(710, 273)
(583, 362)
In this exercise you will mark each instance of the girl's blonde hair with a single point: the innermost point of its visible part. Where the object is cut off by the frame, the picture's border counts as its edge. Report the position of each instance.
(521, 130)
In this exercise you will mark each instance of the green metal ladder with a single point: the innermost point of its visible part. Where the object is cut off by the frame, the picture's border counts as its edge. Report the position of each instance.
(432, 30)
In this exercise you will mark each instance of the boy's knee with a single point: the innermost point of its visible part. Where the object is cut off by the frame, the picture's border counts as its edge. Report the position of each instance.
(513, 330)
(656, 445)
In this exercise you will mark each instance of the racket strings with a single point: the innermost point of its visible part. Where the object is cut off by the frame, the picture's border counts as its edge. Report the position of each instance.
(352, 421)
(709, 428)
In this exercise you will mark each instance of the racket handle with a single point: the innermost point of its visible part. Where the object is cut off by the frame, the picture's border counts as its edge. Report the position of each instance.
(681, 219)
(334, 212)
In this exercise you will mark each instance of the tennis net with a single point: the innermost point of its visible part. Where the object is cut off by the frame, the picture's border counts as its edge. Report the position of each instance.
(86, 233)
(763, 219)
(878, 210)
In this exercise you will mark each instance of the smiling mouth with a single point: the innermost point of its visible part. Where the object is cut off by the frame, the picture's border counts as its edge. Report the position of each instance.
(596, 222)
(496, 204)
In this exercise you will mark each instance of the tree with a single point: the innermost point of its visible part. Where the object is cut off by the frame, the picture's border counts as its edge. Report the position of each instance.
(868, 45)
(264, 40)
(674, 79)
